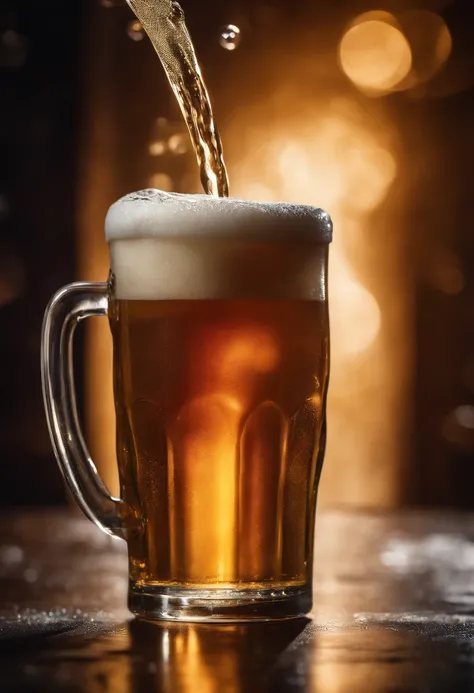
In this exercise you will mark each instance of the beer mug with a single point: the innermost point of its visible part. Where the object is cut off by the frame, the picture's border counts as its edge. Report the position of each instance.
(219, 316)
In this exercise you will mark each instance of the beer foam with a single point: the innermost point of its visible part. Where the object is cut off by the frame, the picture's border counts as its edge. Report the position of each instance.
(173, 246)
(154, 213)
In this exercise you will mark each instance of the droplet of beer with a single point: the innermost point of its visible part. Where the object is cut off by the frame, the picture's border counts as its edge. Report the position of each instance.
(230, 37)
(135, 30)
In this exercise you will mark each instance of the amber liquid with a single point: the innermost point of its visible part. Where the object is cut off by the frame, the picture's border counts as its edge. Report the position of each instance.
(163, 21)
(220, 437)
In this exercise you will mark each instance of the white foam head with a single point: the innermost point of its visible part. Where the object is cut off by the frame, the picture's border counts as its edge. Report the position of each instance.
(173, 246)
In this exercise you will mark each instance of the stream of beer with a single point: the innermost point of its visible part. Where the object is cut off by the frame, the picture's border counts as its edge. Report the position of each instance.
(163, 21)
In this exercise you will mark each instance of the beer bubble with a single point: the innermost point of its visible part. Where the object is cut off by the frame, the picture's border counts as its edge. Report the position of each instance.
(230, 37)
(135, 30)
(178, 144)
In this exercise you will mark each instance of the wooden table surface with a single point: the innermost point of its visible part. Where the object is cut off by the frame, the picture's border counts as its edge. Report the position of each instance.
(394, 613)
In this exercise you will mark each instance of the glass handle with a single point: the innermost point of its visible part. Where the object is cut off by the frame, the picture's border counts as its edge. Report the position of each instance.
(67, 308)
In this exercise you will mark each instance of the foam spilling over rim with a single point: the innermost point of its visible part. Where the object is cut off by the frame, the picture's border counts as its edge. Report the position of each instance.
(153, 213)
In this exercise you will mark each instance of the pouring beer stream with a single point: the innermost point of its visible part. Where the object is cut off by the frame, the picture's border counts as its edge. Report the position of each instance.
(163, 21)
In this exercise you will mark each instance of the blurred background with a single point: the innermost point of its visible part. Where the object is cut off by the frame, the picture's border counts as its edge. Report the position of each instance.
(363, 108)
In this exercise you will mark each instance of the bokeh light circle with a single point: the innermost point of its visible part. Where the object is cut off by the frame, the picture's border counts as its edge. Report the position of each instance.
(375, 55)
(431, 45)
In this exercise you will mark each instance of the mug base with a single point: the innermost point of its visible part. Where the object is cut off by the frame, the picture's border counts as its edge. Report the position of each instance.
(152, 602)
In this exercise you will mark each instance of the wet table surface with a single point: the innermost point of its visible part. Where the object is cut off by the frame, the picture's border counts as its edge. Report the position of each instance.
(394, 612)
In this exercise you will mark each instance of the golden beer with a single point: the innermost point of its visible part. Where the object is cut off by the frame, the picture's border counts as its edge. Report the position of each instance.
(219, 316)
(220, 417)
